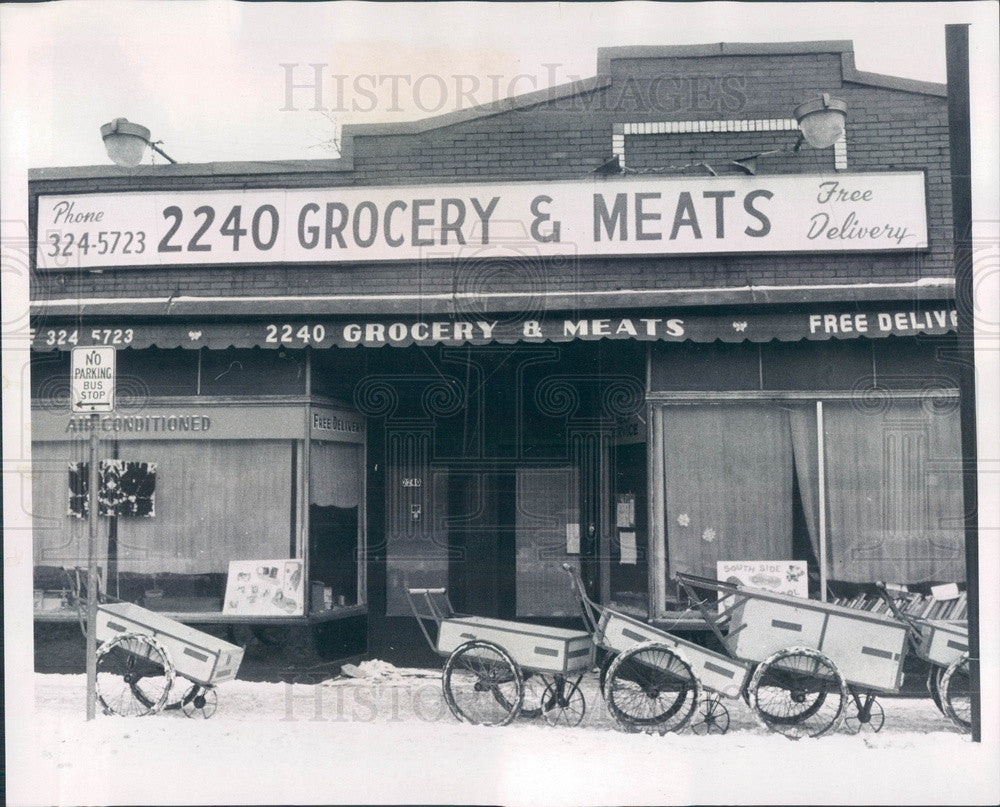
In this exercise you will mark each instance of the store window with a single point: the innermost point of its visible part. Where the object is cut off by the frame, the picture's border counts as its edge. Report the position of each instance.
(335, 524)
(744, 481)
(729, 477)
(894, 491)
(167, 544)
(860, 478)
(192, 486)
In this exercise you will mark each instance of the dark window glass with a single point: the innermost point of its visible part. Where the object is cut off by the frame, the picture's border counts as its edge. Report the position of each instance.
(50, 377)
(837, 364)
(916, 362)
(253, 372)
(155, 372)
(704, 366)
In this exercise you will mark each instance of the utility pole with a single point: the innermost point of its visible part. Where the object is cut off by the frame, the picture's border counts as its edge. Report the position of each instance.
(94, 523)
(92, 390)
(959, 131)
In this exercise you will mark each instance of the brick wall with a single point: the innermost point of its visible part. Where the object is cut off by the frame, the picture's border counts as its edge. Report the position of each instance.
(566, 138)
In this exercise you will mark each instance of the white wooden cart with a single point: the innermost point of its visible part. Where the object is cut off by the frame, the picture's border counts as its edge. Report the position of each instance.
(817, 663)
(652, 680)
(143, 653)
(944, 645)
(498, 669)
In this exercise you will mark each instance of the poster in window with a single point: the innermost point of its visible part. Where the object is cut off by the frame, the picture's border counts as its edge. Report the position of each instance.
(625, 511)
(125, 488)
(780, 576)
(629, 553)
(265, 588)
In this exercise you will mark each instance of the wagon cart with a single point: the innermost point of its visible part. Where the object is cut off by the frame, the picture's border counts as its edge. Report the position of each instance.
(944, 645)
(142, 654)
(817, 663)
(651, 679)
(498, 669)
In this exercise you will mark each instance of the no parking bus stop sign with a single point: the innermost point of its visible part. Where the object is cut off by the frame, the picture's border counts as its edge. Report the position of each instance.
(92, 379)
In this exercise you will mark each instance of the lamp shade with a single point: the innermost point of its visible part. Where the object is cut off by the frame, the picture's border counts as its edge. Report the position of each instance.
(125, 142)
(822, 120)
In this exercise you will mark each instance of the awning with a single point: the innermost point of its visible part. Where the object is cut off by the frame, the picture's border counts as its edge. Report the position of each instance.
(365, 331)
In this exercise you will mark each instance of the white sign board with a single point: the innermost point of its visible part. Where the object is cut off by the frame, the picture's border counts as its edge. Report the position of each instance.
(780, 576)
(265, 588)
(92, 379)
(602, 216)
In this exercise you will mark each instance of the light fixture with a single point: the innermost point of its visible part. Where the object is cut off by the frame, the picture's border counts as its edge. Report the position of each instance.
(126, 142)
(821, 120)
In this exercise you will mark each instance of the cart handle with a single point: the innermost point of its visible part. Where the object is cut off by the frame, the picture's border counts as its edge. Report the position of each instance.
(76, 577)
(693, 581)
(433, 612)
(589, 609)
(912, 621)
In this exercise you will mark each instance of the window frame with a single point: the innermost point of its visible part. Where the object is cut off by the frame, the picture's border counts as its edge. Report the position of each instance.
(658, 402)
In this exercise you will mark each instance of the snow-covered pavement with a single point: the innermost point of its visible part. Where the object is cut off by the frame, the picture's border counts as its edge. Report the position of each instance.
(392, 738)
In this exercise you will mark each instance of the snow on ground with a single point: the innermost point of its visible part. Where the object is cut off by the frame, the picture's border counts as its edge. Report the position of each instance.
(388, 736)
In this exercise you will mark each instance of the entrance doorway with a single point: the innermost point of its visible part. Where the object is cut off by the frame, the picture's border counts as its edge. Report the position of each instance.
(481, 541)
(509, 532)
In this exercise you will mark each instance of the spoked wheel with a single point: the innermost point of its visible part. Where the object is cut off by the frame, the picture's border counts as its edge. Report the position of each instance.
(864, 715)
(482, 684)
(798, 692)
(134, 675)
(711, 717)
(563, 703)
(651, 688)
(955, 692)
(199, 702)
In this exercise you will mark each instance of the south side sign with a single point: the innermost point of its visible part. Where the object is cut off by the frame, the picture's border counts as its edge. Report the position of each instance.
(600, 217)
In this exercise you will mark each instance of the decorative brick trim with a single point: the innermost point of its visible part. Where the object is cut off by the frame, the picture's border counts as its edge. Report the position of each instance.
(840, 153)
(619, 131)
(687, 126)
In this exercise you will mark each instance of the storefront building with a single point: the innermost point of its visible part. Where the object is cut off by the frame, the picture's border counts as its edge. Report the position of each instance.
(631, 324)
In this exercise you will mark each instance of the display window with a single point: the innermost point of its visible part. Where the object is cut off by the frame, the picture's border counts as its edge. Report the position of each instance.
(211, 506)
(336, 526)
(860, 484)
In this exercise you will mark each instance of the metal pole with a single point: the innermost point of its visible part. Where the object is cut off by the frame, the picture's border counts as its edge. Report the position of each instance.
(821, 477)
(92, 570)
(960, 137)
(162, 153)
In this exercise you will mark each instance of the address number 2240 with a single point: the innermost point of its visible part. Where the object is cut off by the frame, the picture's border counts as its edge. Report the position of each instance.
(288, 334)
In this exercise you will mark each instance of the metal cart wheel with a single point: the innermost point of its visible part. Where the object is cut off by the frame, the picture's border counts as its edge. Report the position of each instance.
(651, 688)
(711, 717)
(869, 716)
(199, 701)
(955, 693)
(563, 703)
(483, 684)
(134, 674)
(798, 692)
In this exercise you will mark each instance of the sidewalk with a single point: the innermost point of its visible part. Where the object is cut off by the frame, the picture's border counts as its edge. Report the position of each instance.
(391, 737)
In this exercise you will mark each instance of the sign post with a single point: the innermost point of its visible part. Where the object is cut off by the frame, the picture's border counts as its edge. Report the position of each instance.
(92, 389)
